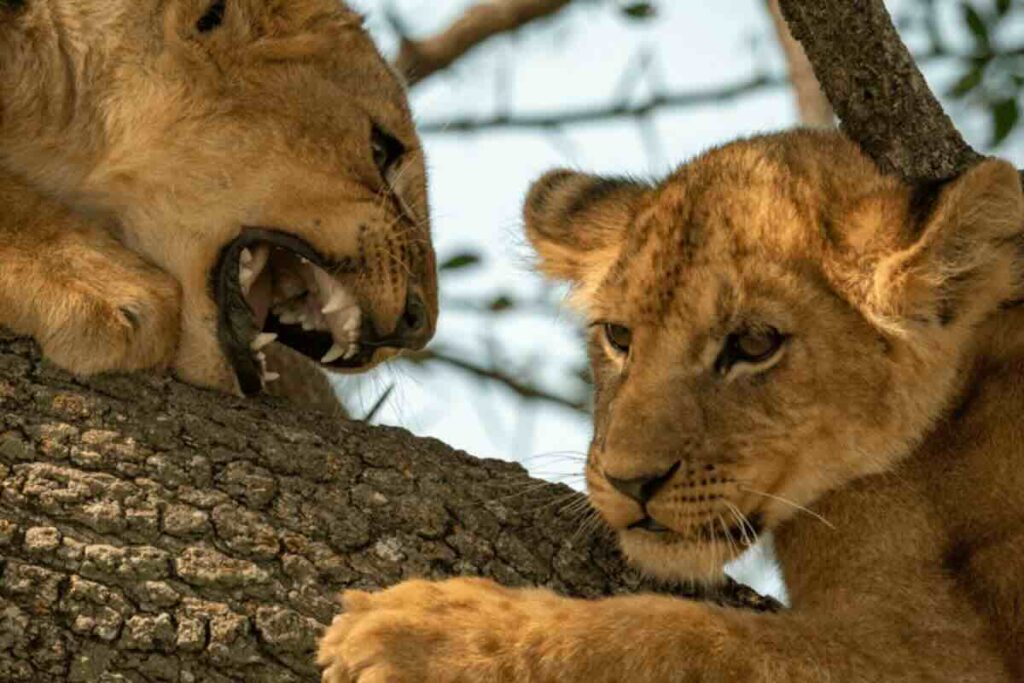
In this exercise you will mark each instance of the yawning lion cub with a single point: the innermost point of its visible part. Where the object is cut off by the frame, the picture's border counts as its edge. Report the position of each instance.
(257, 155)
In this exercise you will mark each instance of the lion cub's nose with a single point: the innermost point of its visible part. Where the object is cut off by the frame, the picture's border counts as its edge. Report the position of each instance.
(642, 489)
(414, 328)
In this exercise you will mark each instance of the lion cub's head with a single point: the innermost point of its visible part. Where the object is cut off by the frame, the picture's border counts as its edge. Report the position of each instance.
(772, 321)
(260, 151)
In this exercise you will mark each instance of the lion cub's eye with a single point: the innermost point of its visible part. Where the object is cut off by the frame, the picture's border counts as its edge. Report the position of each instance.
(751, 346)
(618, 336)
(213, 18)
(386, 150)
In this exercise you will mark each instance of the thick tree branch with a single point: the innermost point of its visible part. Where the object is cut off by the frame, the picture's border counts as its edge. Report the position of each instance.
(151, 531)
(419, 59)
(876, 88)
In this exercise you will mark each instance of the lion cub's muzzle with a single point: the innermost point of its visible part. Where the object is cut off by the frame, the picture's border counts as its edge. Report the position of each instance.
(273, 286)
(686, 502)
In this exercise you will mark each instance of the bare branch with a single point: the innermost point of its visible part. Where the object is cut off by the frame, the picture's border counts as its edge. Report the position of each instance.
(557, 119)
(419, 59)
(812, 105)
(876, 88)
(523, 389)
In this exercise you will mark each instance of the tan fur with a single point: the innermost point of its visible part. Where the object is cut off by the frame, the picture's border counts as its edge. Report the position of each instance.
(174, 141)
(882, 443)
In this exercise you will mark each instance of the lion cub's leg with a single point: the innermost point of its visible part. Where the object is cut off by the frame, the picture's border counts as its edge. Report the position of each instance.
(91, 304)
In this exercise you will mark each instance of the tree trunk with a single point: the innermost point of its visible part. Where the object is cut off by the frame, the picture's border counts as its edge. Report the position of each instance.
(151, 531)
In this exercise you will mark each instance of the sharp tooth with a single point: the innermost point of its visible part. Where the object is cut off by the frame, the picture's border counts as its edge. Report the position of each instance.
(245, 275)
(307, 324)
(353, 349)
(336, 303)
(271, 377)
(246, 257)
(352, 324)
(334, 354)
(262, 340)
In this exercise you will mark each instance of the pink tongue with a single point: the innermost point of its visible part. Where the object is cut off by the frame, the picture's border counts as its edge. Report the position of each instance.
(259, 297)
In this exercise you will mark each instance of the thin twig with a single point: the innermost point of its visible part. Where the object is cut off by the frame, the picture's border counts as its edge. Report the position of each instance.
(517, 386)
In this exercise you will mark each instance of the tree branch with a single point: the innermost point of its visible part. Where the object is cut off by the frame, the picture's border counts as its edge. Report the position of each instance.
(876, 88)
(150, 530)
(420, 59)
(558, 119)
(515, 385)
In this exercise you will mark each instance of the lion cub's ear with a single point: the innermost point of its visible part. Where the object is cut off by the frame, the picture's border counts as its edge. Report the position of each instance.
(576, 222)
(967, 258)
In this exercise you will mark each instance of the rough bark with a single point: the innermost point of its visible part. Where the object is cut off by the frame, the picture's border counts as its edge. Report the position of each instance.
(151, 531)
(877, 90)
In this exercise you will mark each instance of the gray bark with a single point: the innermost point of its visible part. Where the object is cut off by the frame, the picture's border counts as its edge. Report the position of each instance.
(151, 531)
(876, 89)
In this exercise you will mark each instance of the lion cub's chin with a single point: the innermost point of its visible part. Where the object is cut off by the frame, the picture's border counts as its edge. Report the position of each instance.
(672, 558)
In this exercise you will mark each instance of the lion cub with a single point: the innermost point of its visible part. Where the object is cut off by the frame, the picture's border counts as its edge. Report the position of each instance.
(183, 182)
(785, 340)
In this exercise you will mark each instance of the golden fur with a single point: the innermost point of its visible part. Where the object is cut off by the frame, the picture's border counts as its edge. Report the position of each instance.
(816, 350)
(121, 119)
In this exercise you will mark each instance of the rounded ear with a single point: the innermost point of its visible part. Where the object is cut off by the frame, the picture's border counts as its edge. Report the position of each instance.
(968, 258)
(576, 222)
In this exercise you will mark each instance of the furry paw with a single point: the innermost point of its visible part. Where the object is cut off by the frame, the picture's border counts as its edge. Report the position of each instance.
(456, 630)
(126, 321)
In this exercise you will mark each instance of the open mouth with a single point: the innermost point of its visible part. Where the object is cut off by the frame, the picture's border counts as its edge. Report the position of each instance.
(272, 286)
(740, 534)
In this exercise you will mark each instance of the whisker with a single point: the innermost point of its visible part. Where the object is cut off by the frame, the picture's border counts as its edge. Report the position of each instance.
(790, 503)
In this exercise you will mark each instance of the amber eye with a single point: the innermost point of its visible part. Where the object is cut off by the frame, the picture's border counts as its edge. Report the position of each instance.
(751, 346)
(213, 18)
(619, 337)
(386, 150)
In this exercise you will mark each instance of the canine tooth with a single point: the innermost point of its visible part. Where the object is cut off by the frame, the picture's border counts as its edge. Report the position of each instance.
(271, 377)
(262, 340)
(353, 349)
(336, 303)
(245, 275)
(334, 354)
(352, 324)
(246, 257)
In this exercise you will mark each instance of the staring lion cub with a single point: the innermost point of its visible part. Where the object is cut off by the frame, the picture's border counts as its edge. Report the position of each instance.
(258, 156)
(782, 340)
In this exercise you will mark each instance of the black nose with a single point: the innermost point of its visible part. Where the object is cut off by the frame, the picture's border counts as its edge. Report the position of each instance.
(642, 489)
(414, 328)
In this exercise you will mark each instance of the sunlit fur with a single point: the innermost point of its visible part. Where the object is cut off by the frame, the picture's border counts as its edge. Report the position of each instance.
(173, 139)
(882, 443)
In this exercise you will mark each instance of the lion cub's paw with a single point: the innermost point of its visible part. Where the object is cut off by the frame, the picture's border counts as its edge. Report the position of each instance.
(119, 323)
(456, 630)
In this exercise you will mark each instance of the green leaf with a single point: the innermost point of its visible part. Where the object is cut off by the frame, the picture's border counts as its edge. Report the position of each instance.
(1005, 115)
(1002, 7)
(501, 304)
(638, 10)
(976, 24)
(968, 82)
(466, 259)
